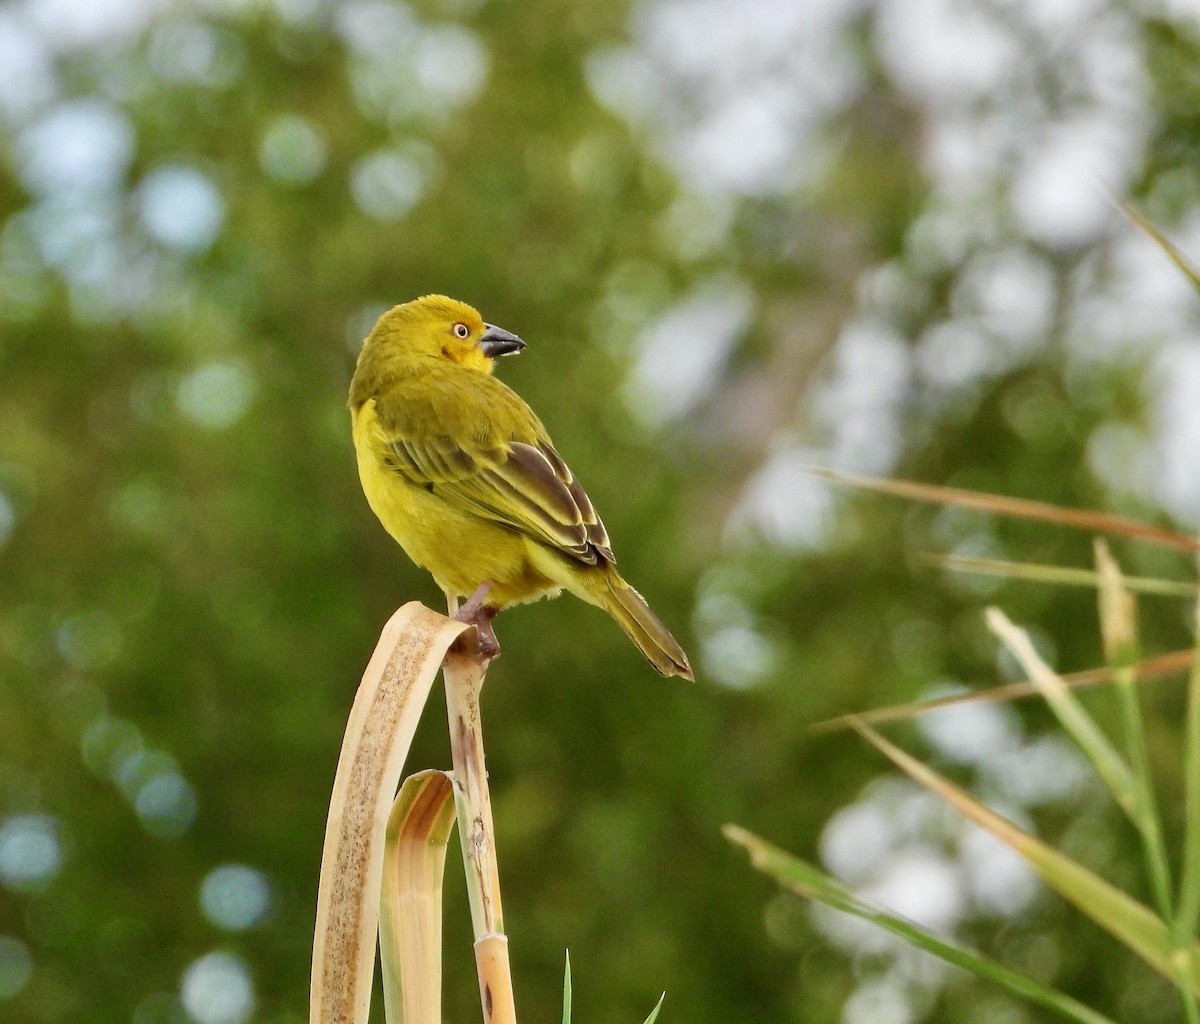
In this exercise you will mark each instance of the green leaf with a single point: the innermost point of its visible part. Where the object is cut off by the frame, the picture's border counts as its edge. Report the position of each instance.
(1131, 923)
(1189, 891)
(813, 884)
(1078, 723)
(567, 990)
(1060, 575)
(654, 1013)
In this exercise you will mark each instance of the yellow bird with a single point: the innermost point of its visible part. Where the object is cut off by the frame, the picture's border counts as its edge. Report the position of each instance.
(463, 475)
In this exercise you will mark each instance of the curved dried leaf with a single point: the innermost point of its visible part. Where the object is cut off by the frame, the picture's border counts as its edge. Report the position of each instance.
(384, 717)
(410, 900)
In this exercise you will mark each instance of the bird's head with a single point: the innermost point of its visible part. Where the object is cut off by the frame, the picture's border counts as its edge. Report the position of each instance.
(444, 328)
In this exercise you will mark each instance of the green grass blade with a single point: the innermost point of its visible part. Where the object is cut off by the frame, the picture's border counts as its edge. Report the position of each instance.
(1106, 759)
(813, 884)
(1059, 575)
(1130, 922)
(1189, 894)
(1118, 628)
(654, 1013)
(567, 990)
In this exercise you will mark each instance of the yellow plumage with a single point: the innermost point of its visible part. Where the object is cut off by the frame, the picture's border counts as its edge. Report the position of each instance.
(463, 475)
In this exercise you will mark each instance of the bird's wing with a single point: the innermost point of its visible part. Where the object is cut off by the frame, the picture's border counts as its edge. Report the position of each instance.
(486, 452)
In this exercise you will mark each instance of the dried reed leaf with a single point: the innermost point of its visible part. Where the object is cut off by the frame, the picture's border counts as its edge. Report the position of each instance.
(384, 717)
(1172, 252)
(410, 901)
(1152, 668)
(1016, 508)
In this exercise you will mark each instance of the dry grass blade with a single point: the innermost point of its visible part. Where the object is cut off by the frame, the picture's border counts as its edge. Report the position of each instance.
(410, 901)
(1152, 668)
(384, 717)
(1172, 252)
(1016, 508)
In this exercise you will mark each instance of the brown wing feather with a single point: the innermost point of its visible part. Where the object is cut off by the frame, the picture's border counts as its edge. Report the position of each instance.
(518, 481)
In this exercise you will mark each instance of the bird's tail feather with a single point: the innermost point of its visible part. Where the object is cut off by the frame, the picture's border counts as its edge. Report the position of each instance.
(645, 629)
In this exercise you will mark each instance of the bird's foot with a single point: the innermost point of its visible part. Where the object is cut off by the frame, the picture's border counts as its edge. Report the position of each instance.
(480, 614)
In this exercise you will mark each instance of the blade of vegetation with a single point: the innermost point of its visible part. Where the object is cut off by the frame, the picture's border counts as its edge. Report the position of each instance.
(410, 902)
(1106, 759)
(1189, 895)
(566, 1017)
(464, 671)
(1118, 628)
(1165, 244)
(1016, 508)
(379, 732)
(1130, 922)
(1058, 575)
(813, 884)
(654, 1013)
(1152, 668)
(567, 990)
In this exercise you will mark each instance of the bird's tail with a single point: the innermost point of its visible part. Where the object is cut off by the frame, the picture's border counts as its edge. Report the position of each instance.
(644, 628)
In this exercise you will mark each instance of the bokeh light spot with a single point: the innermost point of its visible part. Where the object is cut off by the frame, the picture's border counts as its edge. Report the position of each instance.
(26, 69)
(292, 150)
(16, 966)
(89, 639)
(181, 208)
(30, 851)
(880, 1001)
(217, 989)
(109, 743)
(85, 144)
(215, 395)
(140, 506)
(681, 355)
(166, 805)
(8, 518)
(451, 63)
(191, 51)
(969, 733)
(740, 657)
(856, 840)
(235, 897)
(388, 184)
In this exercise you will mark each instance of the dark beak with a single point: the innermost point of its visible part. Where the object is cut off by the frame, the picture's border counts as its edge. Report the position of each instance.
(495, 341)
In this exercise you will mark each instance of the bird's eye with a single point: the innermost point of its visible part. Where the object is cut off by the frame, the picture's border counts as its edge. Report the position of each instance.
(462, 331)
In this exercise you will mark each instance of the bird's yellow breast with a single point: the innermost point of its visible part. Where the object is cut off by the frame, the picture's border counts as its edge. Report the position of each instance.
(458, 547)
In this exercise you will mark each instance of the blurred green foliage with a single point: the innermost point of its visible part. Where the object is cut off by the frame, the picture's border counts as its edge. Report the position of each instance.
(200, 217)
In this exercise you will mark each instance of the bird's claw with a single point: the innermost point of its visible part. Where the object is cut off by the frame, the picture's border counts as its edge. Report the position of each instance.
(479, 614)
